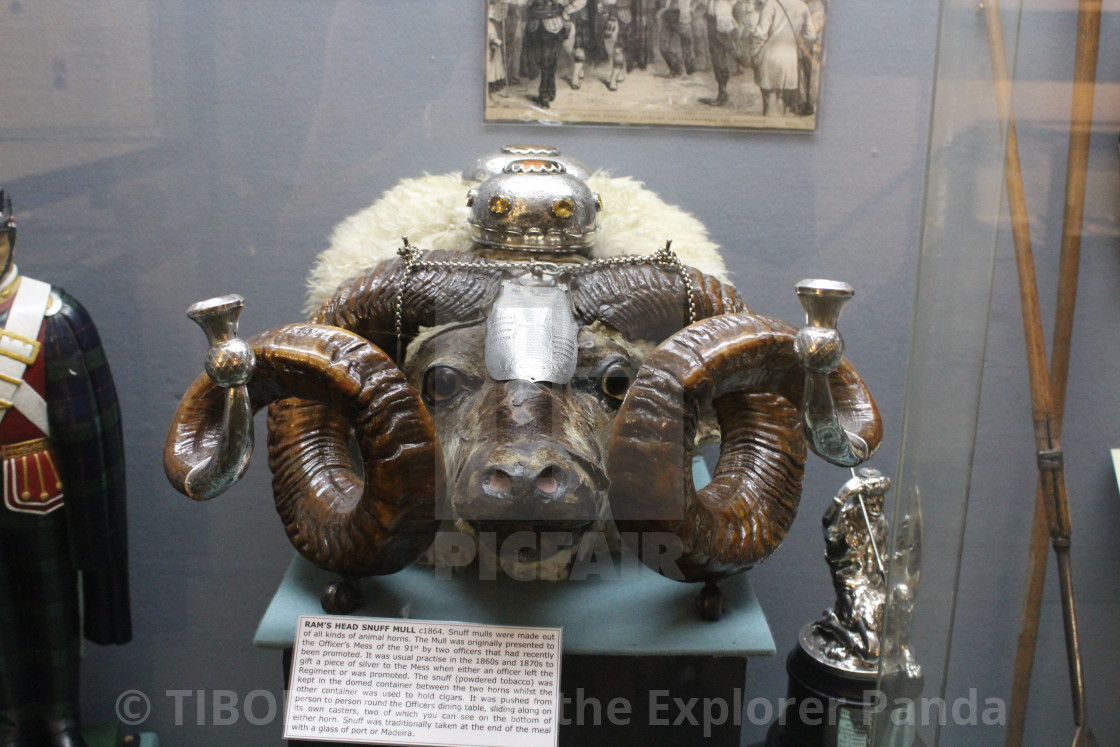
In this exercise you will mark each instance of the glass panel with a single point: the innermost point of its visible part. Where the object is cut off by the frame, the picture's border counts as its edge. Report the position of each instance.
(960, 228)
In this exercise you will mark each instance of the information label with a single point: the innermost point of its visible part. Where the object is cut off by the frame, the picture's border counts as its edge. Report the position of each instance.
(392, 681)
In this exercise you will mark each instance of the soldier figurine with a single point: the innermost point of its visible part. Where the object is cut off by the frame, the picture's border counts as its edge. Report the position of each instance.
(63, 516)
(848, 661)
(855, 533)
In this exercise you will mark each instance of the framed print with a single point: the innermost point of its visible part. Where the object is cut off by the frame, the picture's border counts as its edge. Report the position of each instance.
(752, 64)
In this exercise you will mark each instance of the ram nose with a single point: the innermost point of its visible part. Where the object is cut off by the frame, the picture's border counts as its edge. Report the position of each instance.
(504, 482)
(526, 485)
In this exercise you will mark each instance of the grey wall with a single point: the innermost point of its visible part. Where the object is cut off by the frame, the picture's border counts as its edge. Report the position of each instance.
(263, 124)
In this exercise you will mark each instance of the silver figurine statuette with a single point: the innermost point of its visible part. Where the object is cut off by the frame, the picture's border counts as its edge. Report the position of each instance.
(850, 635)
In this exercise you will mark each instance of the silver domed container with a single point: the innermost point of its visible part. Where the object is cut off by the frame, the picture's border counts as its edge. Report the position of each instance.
(535, 205)
(493, 163)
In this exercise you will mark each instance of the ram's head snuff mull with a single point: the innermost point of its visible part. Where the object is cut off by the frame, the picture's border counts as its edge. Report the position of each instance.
(526, 373)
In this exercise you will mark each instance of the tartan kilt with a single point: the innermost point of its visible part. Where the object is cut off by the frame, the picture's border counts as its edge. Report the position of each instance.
(39, 620)
(581, 32)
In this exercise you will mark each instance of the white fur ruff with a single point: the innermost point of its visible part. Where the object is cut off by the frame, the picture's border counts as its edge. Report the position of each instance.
(431, 211)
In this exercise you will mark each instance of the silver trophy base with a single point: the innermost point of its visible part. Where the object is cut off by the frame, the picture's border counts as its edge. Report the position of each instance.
(832, 705)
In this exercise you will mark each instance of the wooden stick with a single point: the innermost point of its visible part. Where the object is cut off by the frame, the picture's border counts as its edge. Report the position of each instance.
(1077, 167)
(1048, 393)
(1080, 130)
(1028, 627)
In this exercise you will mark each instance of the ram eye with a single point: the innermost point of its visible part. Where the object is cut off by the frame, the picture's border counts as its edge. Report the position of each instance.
(442, 384)
(617, 378)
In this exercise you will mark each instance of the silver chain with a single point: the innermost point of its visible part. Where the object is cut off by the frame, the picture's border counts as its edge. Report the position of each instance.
(412, 256)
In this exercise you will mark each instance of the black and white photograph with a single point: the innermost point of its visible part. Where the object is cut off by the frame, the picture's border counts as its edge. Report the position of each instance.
(748, 64)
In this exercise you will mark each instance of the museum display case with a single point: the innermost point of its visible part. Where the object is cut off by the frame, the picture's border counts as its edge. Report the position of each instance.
(159, 153)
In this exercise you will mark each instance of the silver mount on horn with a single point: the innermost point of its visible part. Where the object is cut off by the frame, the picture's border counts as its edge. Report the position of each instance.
(820, 348)
(229, 364)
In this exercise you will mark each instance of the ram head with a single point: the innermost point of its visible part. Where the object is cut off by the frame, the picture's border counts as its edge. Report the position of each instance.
(418, 396)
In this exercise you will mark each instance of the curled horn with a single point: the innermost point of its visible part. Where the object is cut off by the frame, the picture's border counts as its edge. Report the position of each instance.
(429, 294)
(772, 389)
(324, 383)
(334, 518)
(210, 441)
(315, 486)
(646, 301)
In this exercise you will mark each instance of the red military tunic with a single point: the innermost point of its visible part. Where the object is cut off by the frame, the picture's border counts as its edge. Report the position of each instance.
(31, 482)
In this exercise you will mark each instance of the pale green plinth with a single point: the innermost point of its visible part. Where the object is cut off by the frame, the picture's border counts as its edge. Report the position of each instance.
(636, 613)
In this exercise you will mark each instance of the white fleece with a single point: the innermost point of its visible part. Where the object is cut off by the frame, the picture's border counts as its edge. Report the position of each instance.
(432, 212)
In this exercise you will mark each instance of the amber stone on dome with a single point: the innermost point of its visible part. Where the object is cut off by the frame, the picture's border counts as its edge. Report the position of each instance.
(563, 208)
(499, 204)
